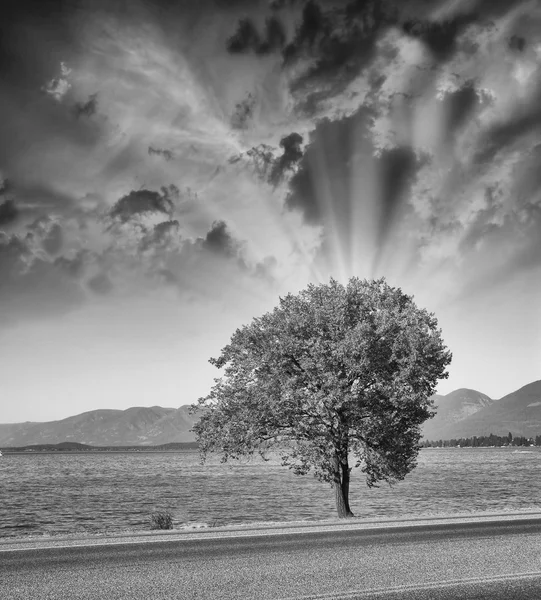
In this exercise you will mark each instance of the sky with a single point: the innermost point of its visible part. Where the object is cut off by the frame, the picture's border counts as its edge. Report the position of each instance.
(168, 170)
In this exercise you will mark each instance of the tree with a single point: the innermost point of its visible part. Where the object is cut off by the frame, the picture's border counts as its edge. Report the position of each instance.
(331, 373)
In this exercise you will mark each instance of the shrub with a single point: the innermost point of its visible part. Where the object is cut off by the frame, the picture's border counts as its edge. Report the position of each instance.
(161, 520)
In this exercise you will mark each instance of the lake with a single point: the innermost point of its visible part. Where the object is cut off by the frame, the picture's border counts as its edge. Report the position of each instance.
(95, 492)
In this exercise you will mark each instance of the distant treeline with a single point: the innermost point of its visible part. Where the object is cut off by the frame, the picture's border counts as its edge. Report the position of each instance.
(77, 447)
(483, 441)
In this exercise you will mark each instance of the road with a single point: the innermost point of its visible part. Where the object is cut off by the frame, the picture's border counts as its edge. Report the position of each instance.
(488, 559)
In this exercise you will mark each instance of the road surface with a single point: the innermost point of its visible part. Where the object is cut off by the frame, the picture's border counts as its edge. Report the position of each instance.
(494, 559)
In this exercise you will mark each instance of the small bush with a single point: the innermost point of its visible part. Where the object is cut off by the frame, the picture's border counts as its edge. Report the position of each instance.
(161, 520)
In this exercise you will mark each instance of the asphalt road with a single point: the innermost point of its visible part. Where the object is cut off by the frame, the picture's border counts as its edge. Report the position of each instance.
(498, 559)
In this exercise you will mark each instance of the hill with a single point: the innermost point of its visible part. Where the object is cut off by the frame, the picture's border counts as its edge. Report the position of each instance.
(518, 413)
(462, 413)
(144, 426)
(454, 408)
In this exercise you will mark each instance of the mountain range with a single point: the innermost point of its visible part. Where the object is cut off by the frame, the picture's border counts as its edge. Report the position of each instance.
(139, 425)
(462, 413)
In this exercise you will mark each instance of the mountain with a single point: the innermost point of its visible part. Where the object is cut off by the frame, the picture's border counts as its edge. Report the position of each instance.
(462, 413)
(518, 413)
(145, 426)
(454, 408)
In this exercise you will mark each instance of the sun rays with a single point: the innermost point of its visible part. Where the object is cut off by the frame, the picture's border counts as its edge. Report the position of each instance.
(367, 143)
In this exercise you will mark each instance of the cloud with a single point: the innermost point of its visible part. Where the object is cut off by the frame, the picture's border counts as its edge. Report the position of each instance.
(518, 43)
(100, 284)
(397, 168)
(313, 23)
(220, 241)
(142, 202)
(244, 112)
(31, 286)
(328, 155)
(76, 264)
(439, 36)
(88, 108)
(248, 39)
(49, 268)
(358, 118)
(331, 47)
(267, 164)
(288, 161)
(459, 106)
(261, 158)
(164, 152)
(162, 236)
(4, 185)
(58, 87)
(8, 212)
(54, 240)
(502, 134)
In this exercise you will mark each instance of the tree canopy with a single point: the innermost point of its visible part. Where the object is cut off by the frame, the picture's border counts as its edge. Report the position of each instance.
(333, 372)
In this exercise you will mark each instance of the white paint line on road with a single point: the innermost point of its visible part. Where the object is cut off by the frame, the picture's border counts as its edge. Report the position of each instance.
(449, 583)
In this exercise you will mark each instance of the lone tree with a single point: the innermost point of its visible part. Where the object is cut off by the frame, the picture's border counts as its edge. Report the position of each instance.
(332, 373)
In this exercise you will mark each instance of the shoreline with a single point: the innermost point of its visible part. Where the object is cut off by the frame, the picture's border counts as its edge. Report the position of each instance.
(203, 530)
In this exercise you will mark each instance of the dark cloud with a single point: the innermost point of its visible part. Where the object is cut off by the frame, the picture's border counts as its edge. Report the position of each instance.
(167, 227)
(143, 202)
(439, 36)
(396, 171)
(490, 9)
(262, 158)
(339, 41)
(76, 265)
(219, 241)
(4, 186)
(48, 234)
(229, 4)
(288, 161)
(161, 235)
(517, 43)
(88, 108)
(8, 212)
(313, 25)
(245, 39)
(244, 111)
(331, 146)
(52, 243)
(328, 185)
(280, 4)
(268, 165)
(459, 107)
(31, 287)
(248, 39)
(163, 152)
(524, 121)
(275, 36)
(100, 284)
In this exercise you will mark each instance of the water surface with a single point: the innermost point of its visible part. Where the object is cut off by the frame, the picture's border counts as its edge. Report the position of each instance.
(65, 492)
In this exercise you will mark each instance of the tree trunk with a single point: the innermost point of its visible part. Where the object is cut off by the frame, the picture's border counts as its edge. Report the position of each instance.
(341, 488)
